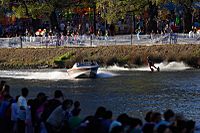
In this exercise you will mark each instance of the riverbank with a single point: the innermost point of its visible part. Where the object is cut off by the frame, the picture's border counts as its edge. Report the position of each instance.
(126, 55)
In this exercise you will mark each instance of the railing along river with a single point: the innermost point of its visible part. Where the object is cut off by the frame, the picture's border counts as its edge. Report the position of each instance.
(93, 41)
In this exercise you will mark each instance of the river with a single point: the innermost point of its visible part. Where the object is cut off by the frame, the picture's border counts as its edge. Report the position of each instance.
(122, 90)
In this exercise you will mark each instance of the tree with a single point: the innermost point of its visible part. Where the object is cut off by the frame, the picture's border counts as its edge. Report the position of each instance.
(113, 10)
(31, 9)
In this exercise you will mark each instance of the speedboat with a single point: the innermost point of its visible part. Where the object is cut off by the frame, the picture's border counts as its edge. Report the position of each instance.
(84, 69)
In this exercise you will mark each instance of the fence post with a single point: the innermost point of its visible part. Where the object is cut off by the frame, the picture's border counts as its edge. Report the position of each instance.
(90, 40)
(131, 38)
(46, 42)
(21, 46)
(170, 38)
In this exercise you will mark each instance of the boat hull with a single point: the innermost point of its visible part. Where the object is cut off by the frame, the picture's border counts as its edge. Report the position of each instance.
(83, 72)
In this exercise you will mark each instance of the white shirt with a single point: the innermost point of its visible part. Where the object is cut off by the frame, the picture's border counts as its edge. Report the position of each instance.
(22, 103)
(57, 116)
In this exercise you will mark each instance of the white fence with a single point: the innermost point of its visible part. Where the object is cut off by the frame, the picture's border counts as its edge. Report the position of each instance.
(156, 39)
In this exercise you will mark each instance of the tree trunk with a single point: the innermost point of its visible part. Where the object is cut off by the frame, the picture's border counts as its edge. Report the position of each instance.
(53, 19)
(94, 21)
(187, 19)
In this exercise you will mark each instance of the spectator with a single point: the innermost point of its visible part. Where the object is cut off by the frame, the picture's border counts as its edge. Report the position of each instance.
(57, 120)
(107, 120)
(75, 120)
(37, 108)
(5, 109)
(2, 84)
(52, 104)
(22, 104)
(163, 129)
(169, 118)
(14, 114)
(76, 108)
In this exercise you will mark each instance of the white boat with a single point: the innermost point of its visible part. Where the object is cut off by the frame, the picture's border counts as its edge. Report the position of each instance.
(84, 69)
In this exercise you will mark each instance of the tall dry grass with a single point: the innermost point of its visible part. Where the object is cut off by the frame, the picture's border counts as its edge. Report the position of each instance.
(132, 56)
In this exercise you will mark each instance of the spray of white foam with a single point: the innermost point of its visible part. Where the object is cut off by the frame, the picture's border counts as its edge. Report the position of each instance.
(39, 75)
(102, 72)
(114, 68)
(105, 74)
(47, 74)
(164, 66)
(173, 66)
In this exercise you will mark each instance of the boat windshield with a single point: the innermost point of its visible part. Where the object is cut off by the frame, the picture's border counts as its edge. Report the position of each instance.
(85, 64)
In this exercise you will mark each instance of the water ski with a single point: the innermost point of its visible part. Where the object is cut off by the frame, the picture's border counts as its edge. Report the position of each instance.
(158, 69)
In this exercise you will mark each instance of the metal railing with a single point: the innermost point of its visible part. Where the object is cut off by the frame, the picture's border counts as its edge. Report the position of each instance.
(84, 41)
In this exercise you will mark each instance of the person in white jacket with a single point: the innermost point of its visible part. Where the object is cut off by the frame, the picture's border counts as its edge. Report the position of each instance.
(56, 121)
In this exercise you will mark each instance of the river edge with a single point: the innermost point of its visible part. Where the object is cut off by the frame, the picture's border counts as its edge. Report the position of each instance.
(122, 55)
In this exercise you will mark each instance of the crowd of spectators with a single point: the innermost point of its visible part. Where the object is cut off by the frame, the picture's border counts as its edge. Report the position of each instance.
(59, 115)
(153, 25)
(40, 28)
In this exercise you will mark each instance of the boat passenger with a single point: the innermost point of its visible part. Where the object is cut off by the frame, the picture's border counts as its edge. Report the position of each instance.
(92, 63)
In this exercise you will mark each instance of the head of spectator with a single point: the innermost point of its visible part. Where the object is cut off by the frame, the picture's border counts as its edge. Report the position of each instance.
(169, 115)
(59, 95)
(2, 85)
(148, 116)
(76, 108)
(67, 104)
(77, 104)
(123, 119)
(5, 90)
(100, 112)
(24, 92)
(6, 93)
(156, 117)
(41, 97)
(3, 82)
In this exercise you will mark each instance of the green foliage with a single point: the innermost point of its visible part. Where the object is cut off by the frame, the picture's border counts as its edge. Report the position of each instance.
(60, 61)
(4, 2)
(35, 10)
(66, 56)
(112, 10)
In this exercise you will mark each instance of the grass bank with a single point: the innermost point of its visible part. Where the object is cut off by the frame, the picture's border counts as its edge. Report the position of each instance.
(133, 56)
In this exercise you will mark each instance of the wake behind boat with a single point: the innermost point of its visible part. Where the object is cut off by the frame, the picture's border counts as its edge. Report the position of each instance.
(84, 69)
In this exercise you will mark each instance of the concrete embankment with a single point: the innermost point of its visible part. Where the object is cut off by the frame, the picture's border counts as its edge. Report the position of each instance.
(131, 56)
